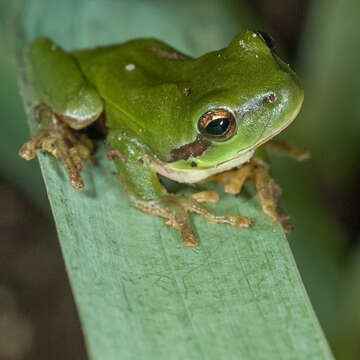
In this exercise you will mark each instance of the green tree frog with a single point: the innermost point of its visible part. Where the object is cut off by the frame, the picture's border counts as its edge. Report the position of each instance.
(188, 119)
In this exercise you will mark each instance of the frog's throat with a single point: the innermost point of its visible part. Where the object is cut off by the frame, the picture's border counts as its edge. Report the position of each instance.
(192, 176)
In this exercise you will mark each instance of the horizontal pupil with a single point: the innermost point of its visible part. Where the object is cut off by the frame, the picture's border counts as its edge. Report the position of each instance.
(218, 126)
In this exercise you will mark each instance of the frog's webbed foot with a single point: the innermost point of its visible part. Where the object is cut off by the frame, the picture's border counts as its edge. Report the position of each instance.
(175, 209)
(65, 144)
(286, 149)
(267, 189)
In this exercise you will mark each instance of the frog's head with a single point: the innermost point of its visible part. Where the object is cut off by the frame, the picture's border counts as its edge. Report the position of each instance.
(242, 96)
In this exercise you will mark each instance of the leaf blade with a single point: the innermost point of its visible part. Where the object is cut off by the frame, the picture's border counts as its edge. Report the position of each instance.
(239, 290)
(141, 294)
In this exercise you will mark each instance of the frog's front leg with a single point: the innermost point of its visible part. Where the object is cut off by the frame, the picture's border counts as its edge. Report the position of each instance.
(267, 189)
(65, 144)
(148, 195)
(64, 101)
(284, 148)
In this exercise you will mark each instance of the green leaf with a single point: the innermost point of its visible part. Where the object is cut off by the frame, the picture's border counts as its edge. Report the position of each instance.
(140, 294)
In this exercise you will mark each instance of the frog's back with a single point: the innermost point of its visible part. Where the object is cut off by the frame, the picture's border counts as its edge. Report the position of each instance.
(137, 63)
(140, 80)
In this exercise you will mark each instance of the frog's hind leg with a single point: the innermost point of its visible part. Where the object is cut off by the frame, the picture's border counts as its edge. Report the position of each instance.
(268, 191)
(71, 148)
(175, 209)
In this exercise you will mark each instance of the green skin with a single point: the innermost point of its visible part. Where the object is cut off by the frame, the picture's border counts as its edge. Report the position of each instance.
(153, 97)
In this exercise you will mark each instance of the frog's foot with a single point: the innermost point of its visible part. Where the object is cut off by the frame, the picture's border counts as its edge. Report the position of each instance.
(175, 209)
(233, 180)
(284, 148)
(268, 191)
(65, 144)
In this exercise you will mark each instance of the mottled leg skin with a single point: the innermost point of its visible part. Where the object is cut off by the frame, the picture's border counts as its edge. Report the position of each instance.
(148, 195)
(234, 179)
(267, 189)
(269, 193)
(175, 209)
(284, 148)
(206, 196)
(68, 146)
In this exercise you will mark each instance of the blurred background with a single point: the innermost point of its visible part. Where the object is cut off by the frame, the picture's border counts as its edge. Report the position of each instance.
(320, 39)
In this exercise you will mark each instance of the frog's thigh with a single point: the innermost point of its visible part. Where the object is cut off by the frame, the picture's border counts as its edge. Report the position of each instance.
(57, 81)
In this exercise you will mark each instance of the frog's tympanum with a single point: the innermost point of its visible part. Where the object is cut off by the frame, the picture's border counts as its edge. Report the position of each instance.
(188, 119)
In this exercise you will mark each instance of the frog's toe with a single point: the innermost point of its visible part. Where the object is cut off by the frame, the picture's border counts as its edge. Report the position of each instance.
(285, 223)
(71, 161)
(27, 151)
(181, 223)
(191, 205)
(233, 180)
(175, 209)
(268, 191)
(169, 207)
(289, 150)
(67, 146)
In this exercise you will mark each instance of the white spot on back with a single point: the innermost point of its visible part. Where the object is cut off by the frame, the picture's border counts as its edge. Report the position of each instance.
(254, 35)
(130, 67)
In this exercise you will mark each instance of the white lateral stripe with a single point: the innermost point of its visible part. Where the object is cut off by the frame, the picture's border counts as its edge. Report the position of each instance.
(192, 176)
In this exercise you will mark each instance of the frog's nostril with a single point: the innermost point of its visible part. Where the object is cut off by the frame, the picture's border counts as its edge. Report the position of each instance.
(271, 97)
(268, 98)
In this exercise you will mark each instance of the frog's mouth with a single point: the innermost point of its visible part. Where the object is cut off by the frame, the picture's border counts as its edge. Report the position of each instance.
(199, 174)
(195, 175)
(279, 130)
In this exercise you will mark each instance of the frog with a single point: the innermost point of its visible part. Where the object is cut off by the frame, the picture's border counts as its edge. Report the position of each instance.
(167, 114)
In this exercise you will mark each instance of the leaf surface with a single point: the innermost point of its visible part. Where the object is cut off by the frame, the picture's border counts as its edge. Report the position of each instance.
(140, 294)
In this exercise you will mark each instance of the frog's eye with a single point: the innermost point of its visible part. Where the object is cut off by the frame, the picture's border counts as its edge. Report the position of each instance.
(217, 124)
(267, 39)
